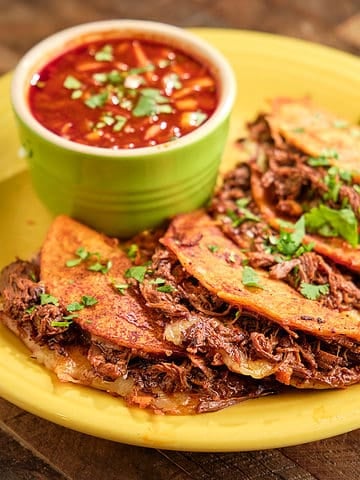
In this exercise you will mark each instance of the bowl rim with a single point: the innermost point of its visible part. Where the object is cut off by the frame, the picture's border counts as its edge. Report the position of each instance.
(176, 35)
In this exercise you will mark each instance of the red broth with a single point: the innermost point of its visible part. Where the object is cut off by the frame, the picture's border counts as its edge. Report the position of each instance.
(123, 93)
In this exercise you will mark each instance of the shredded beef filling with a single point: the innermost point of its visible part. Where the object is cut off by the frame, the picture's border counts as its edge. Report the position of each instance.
(213, 387)
(293, 185)
(210, 328)
(253, 237)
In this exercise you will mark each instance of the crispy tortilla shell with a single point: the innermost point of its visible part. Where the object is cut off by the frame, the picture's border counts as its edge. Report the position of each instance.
(312, 129)
(189, 237)
(118, 319)
(335, 248)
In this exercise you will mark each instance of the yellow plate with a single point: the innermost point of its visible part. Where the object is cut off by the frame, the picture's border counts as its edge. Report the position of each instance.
(265, 66)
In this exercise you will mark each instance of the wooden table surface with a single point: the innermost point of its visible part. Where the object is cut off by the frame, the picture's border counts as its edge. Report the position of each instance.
(32, 448)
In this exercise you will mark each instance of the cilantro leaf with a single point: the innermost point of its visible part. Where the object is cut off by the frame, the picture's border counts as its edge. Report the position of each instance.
(250, 278)
(150, 67)
(288, 243)
(197, 118)
(313, 292)
(172, 80)
(30, 309)
(72, 83)
(329, 222)
(105, 54)
(120, 122)
(61, 323)
(137, 273)
(46, 299)
(145, 106)
(76, 94)
(97, 100)
(132, 251)
(88, 301)
(121, 287)
(82, 255)
(213, 248)
(158, 281)
(99, 267)
(70, 316)
(75, 307)
(150, 102)
(318, 162)
(73, 262)
(165, 289)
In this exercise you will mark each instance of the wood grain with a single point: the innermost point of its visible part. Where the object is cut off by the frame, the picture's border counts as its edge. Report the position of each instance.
(83, 457)
(23, 23)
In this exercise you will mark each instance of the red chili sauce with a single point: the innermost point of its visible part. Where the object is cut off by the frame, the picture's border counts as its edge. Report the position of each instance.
(122, 93)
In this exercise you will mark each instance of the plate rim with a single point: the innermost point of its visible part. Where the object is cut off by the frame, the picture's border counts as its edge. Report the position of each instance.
(152, 432)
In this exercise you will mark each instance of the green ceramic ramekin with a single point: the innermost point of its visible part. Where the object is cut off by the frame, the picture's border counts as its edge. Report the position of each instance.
(121, 192)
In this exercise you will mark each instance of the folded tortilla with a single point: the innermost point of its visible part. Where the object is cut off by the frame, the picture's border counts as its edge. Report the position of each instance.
(278, 331)
(76, 321)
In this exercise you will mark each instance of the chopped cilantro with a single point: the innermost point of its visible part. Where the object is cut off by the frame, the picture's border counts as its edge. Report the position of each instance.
(247, 214)
(61, 323)
(138, 70)
(100, 77)
(164, 109)
(332, 182)
(298, 130)
(137, 273)
(70, 317)
(197, 118)
(105, 54)
(237, 315)
(108, 119)
(158, 281)
(73, 262)
(165, 288)
(72, 83)
(121, 287)
(250, 278)
(173, 81)
(120, 122)
(82, 255)
(323, 159)
(318, 162)
(99, 267)
(150, 102)
(75, 307)
(345, 176)
(115, 77)
(46, 299)
(30, 309)
(132, 251)
(329, 222)
(287, 243)
(145, 106)
(97, 100)
(329, 153)
(155, 94)
(213, 248)
(76, 94)
(313, 292)
(32, 276)
(88, 301)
